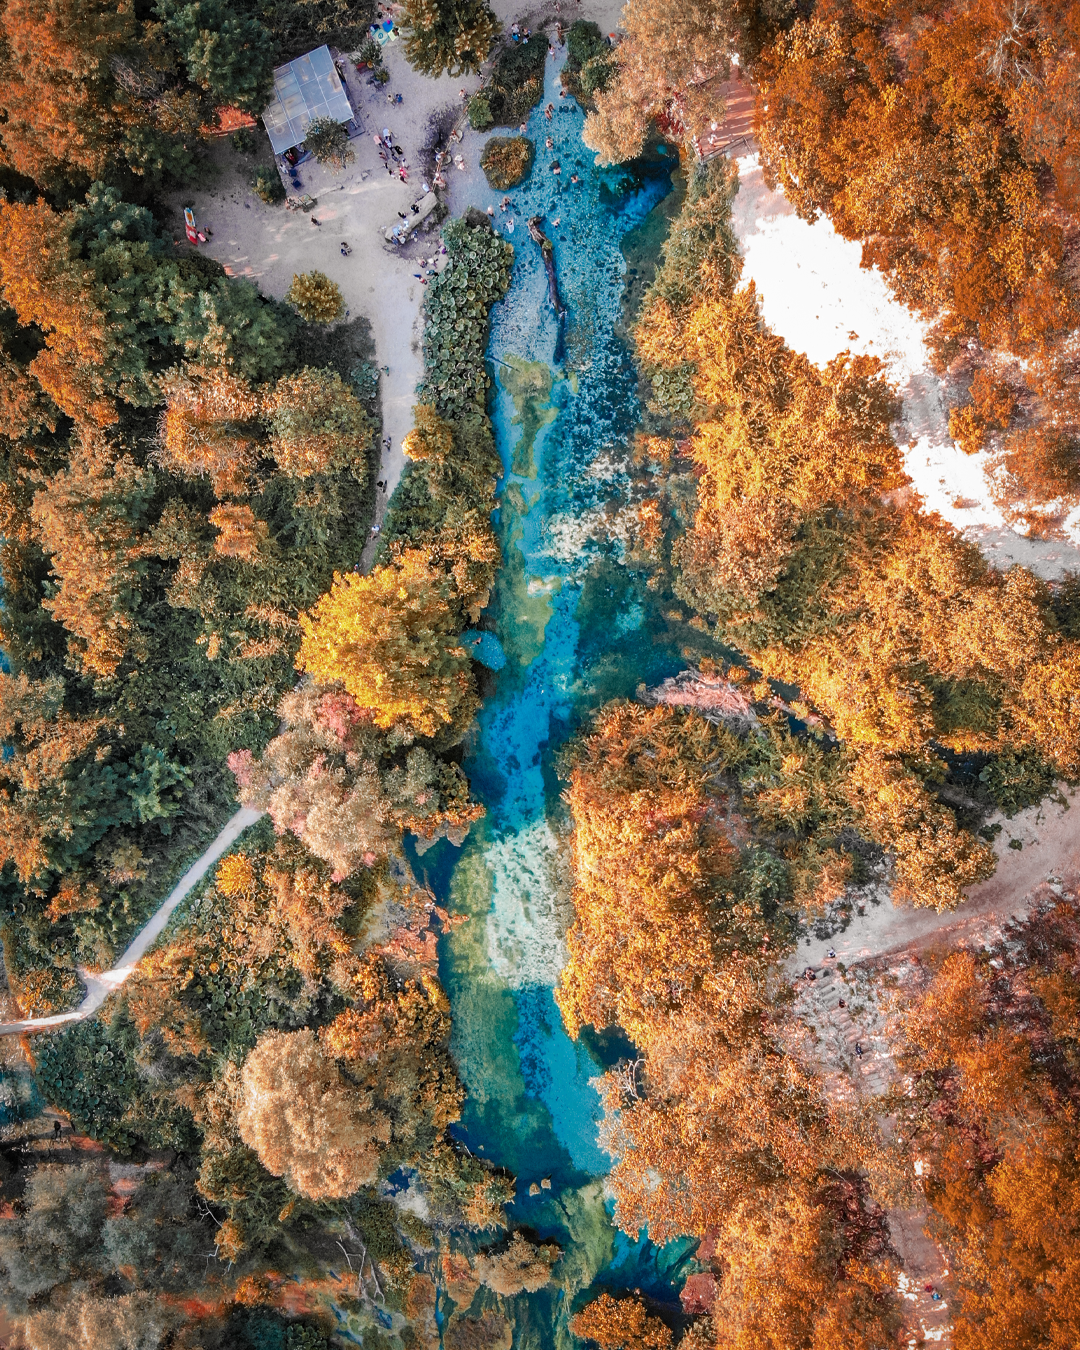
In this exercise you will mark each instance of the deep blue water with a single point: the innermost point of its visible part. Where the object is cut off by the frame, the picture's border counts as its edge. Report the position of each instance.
(575, 627)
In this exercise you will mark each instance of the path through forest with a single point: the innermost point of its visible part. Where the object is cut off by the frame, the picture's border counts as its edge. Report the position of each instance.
(100, 986)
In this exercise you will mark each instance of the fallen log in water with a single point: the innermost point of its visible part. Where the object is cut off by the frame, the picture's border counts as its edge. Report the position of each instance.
(547, 250)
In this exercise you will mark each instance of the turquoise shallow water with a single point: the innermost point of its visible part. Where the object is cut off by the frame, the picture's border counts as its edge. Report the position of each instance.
(575, 628)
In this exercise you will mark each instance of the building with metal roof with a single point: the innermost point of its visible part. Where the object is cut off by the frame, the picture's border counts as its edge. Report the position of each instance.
(305, 89)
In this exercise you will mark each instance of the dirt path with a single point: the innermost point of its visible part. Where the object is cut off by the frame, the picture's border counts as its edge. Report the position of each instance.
(1050, 836)
(843, 1019)
(100, 986)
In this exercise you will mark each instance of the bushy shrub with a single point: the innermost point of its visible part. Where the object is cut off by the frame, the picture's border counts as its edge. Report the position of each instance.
(46, 990)
(476, 275)
(244, 141)
(480, 114)
(267, 185)
(597, 75)
(370, 53)
(315, 297)
(89, 1074)
(506, 160)
(1016, 781)
(583, 42)
(364, 378)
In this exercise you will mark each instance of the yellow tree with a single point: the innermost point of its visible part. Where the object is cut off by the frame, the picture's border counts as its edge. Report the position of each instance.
(391, 638)
(315, 297)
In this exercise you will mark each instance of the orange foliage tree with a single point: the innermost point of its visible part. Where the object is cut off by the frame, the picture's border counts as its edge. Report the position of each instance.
(210, 427)
(993, 1051)
(943, 138)
(714, 1129)
(666, 946)
(89, 517)
(804, 555)
(53, 291)
(620, 1324)
(59, 95)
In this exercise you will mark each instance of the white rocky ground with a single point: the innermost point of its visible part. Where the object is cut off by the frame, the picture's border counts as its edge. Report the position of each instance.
(848, 1007)
(815, 294)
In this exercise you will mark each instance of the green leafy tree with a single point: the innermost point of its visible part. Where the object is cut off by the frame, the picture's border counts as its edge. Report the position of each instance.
(57, 1238)
(228, 54)
(451, 35)
(157, 1240)
(328, 142)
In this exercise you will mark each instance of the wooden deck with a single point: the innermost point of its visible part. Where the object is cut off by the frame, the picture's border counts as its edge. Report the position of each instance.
(733, 132)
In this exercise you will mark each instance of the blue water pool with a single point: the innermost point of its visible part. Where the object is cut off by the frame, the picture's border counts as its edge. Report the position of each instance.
(576, 628)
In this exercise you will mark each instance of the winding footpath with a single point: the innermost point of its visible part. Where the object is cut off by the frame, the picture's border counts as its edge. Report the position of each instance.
(99, 987)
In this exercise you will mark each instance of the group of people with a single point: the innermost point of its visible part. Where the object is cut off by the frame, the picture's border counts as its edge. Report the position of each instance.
(391, 155)
(429, 268)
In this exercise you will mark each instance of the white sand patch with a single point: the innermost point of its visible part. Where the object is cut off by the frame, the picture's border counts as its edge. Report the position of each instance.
(815, 294)
(268, 244)
(526, 923)
(571, 539)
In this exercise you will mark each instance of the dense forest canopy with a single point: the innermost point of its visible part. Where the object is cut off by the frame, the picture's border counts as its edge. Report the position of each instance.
(187, 485)
(927, 680)
(267, 1109)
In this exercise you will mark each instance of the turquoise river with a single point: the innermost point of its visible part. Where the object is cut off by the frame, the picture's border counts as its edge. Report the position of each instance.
(577, 628)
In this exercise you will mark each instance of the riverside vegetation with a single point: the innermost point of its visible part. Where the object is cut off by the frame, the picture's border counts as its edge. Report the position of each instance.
(931, 690)
(185, 489)
(286, 1055)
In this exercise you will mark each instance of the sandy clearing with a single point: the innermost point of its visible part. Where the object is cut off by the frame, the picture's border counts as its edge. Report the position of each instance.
(1050, 834)
(815, 294)
(268, 244)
